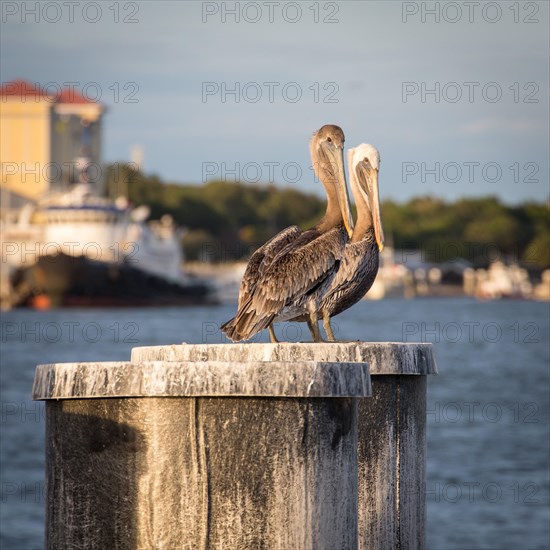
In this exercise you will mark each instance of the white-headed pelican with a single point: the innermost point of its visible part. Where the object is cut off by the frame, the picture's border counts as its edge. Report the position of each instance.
(359, 265)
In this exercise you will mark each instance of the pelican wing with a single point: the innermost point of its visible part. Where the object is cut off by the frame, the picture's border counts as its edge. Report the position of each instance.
(300, 269)
(258, 263)
(354, 278)
(262, 258)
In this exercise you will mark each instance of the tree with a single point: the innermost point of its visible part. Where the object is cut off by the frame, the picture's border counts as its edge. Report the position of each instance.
(230, 220)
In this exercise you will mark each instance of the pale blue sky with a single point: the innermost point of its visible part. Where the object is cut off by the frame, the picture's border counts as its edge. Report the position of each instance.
(363, 59)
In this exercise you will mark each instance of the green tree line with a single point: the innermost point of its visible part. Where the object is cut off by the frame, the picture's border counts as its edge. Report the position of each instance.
(227, 221)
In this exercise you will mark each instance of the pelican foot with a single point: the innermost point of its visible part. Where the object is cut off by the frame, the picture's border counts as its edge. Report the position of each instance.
(328, 328)
(314, 328)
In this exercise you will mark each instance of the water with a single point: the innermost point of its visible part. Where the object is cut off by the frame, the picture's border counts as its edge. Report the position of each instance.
(488, 410)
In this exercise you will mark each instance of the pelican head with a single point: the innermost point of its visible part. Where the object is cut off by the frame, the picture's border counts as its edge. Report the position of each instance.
(363, 164)
(327, 154)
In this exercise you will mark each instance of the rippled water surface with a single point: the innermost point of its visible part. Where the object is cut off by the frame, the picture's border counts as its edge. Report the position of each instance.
(488, 410)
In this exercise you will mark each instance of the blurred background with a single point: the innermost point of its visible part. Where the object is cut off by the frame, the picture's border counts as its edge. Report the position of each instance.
(148, 148)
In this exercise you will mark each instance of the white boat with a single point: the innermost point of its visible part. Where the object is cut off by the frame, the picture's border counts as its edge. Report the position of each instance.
(77, 248)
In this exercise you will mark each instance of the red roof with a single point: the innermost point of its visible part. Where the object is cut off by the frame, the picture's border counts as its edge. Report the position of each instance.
(23, 88)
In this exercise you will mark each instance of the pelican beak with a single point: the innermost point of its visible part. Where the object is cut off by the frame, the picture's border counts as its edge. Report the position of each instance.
(335, 156)
(375, 209)
(371, 194)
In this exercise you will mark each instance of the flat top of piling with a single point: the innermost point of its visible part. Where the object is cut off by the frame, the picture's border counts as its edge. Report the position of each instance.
(292, 378)
(409, 358)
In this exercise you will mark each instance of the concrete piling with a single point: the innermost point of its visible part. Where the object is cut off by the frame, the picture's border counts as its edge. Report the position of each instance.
(239, 446)
(202, 454)
(391, 426)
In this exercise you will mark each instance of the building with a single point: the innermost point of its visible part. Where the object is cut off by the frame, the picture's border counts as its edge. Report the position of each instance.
(50, 138)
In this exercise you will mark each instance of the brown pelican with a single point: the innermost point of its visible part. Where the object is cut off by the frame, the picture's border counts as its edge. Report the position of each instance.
(288, 275)
(359, 265)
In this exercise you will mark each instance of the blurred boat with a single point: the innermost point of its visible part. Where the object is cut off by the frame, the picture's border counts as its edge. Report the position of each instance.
(80, 249)
(498, 281)
(541, 291)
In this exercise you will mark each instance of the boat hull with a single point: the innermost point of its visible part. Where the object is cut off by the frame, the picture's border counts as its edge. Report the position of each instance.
(64, 281)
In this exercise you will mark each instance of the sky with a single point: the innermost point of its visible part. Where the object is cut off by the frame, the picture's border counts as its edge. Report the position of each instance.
(453, 94)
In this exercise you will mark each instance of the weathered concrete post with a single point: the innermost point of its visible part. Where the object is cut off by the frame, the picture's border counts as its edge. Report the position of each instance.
(202, 455)
(391, 427)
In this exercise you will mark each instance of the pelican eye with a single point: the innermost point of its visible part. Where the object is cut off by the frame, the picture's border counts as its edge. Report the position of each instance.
(329, 139)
